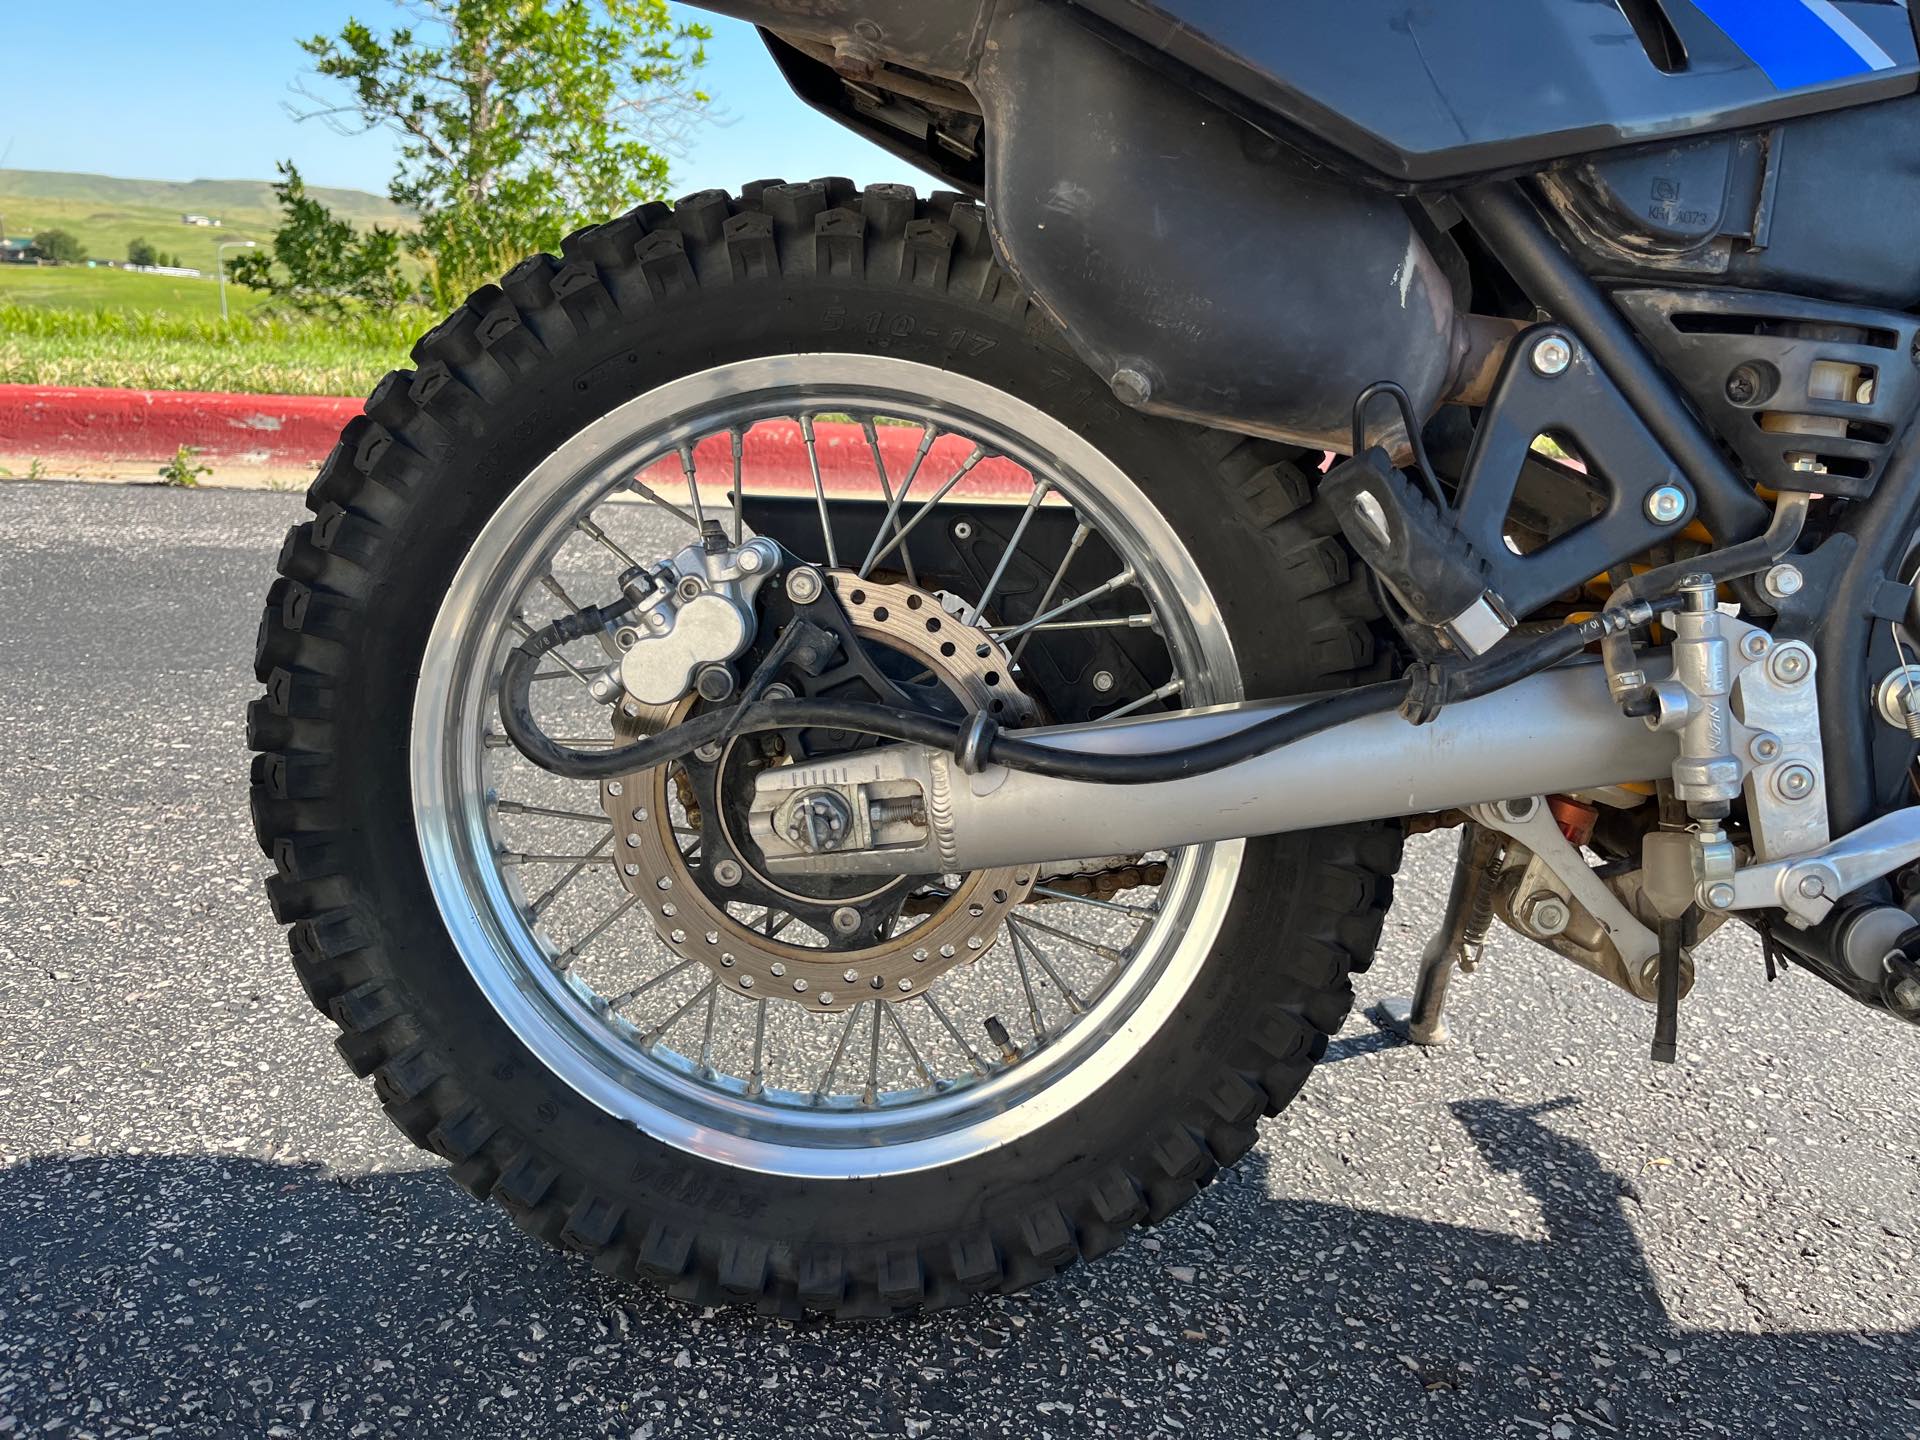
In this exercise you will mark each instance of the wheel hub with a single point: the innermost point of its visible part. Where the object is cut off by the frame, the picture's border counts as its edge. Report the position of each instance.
(871, 938)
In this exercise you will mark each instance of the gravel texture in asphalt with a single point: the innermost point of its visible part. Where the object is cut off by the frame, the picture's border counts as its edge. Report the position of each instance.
(207, 1228)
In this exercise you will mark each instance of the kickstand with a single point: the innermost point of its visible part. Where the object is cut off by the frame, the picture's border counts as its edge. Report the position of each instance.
(1666, 1022)
(1461, 933)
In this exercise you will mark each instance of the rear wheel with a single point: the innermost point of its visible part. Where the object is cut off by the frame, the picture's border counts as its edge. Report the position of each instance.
(594, 999)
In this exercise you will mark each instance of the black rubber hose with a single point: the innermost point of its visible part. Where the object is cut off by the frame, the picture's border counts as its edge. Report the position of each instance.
(1432, 685)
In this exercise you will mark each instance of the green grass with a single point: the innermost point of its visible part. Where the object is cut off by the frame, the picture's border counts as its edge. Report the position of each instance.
(73, 287)
(255, 353)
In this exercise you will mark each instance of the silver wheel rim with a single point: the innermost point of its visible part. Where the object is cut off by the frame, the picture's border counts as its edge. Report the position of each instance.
(686, 1097)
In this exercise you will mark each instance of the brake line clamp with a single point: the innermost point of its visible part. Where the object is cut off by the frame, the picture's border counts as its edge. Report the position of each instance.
(975, 741)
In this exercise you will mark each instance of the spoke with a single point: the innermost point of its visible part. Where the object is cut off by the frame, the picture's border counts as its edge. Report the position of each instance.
(516, 857)
(1040, 492)
(833, 1065)
(1105, 952)
(1105, 587)
(1105, 622)
(926, 507)
(734, 497)
(693, 489)
(554, 588)
(495, 741)
(593, 532)
(568, 878)
(892, 518)
(1071, 898)
(872, 1092)
(627, 997)
(1034, 1016)
(706, 1030)
(819, 492)
(1074, 1002)
(572, 952)
(546, 675)
(757, 1076)
(1079, 537)
(640, 488)
(980, 1066)
(1165, 692)
(886, 493)
(655, 1035)
(900, 1029)
(518, 807)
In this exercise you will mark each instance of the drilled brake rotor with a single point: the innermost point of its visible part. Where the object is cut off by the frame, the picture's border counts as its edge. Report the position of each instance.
(695, 924)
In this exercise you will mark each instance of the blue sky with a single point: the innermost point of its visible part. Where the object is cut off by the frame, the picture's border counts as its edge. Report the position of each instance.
(198, 90)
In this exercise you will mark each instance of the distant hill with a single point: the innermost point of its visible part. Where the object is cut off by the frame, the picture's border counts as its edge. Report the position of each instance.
(249, 198)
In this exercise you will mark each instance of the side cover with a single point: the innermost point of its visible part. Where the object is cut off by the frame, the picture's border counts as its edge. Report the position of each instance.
(1200, 268)
(1432, 90)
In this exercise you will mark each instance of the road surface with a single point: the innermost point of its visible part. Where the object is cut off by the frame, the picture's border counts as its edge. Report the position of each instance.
(208, 1229)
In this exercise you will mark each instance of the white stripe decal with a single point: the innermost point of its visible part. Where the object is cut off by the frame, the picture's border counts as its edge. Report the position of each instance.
(1861, 43)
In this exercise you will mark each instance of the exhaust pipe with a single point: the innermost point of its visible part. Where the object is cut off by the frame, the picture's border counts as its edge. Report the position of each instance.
(906, 810)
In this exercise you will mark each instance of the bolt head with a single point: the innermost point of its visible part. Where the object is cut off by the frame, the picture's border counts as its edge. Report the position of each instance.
(1103, 681)
(1131, 387)
(803, 585)
(1810, 886)
(1720, 896)
(1782, 581)
(1907, 994)
(1790, 664)
(1552, 355)
(1754, 644)
(963, 530)
(1666, 504)
(749, 560)
(1545, 914)
(727, 872)
(846, 920)
(1795, 782)
(1766, 747)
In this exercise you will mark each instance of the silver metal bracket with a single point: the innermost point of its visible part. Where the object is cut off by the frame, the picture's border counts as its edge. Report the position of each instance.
(1529, 821)
(1808, 886)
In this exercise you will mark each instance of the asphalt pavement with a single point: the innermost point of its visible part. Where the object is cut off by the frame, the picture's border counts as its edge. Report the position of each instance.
(208, 1229)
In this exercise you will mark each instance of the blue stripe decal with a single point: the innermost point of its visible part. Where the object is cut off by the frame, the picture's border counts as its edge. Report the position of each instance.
(1787, 39)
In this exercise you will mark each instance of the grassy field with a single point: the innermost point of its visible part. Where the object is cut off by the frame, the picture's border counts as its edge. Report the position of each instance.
(70, 325)
(105, 213)
(74, 288)
(151, 350)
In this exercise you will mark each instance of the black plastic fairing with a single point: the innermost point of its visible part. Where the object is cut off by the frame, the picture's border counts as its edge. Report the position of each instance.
(1202, 269)
(1429, 92)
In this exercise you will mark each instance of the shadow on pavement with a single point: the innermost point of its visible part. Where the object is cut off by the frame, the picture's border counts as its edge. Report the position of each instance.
(230, 1296)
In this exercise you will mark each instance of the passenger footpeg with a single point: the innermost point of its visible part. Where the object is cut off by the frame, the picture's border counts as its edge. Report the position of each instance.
(1414, 547)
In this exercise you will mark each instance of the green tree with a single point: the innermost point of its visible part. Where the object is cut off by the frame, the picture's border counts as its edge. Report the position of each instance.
(318, 261)
(519, 120)
(140, 252)
(62, 247)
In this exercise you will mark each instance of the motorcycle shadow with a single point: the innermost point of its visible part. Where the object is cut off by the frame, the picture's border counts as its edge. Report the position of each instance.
(224, 1295)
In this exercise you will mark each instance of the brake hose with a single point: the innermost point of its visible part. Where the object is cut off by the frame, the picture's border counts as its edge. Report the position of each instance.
(1419, 694)
(1625, 682)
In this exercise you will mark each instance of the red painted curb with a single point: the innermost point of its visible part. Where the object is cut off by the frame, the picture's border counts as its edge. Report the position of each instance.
(51, 422)
(57, 422)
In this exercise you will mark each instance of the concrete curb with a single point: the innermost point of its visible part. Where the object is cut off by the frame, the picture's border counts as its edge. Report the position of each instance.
(58, 424)
(274, 441)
